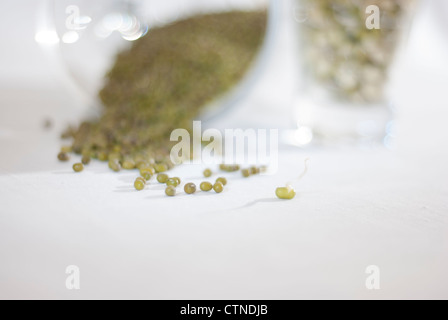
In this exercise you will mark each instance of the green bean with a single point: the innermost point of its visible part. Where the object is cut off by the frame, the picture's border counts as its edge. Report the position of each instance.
(222, 180)
(170, 191)
(139, 184)
(206, 186)
(172, 182)
(64, 157)
(78, 167)
(245, 173)
(286, 193)
(208, 173)
(85, 160)
(190, 188)
(218, 187)
(114, 165)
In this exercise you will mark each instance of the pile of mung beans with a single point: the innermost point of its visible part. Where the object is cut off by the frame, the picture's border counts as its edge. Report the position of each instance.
(161, 83)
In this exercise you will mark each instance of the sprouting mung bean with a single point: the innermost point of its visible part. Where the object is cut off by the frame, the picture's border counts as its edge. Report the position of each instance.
(286, 193)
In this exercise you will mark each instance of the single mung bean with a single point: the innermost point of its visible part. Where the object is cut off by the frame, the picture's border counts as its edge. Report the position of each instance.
(63, 156)
(286, 193)
(78, 167)
(146, 176)
(222, 180)
(254, 170)
(172, 182)
(245, 173)
(141, 179)
(149, 170)
(178, 180)
(102, 156)
(218, 187)
(114, 165)
(146, 173)
(142, 164)
(85, 160)
(206, 186)
(115, 156)
(229, 168)
(139, 184)
(208, 173)
(170, 191)
(66, 149)
(190, 188)
(128, 165)
(161, 167)
(162, 177)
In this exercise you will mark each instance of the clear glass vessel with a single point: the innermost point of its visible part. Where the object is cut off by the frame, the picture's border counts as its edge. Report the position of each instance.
(347, 50)
(86, 36)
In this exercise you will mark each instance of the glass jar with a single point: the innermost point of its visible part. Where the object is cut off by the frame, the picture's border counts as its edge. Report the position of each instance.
(347, 50)
(86, 37)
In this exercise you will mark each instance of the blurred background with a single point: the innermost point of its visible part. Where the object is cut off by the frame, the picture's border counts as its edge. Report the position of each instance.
(38, 68)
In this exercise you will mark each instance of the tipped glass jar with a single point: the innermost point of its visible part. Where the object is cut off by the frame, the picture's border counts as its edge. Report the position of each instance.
(347, 49)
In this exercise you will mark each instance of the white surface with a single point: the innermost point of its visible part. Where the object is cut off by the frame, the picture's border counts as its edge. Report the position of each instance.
(354, 209)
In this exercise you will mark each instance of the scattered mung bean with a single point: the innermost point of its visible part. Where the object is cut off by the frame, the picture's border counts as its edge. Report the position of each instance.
(222, 180)
(62, 156)
(170, 191)
(206, 186)
(78, 167)
(218, 187)
(139, 184)
(162, 177)
(190, 188)
(208, 173)
(286, 193)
